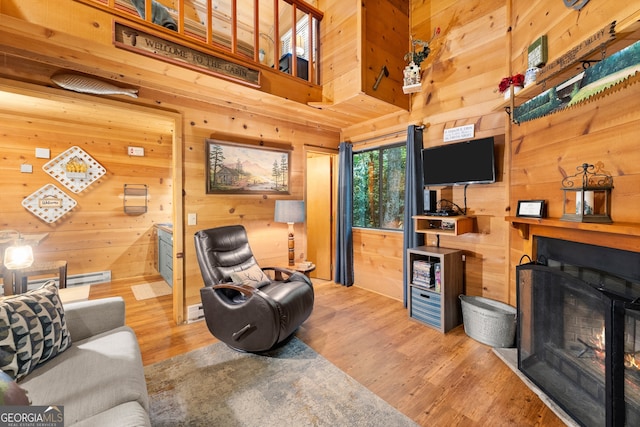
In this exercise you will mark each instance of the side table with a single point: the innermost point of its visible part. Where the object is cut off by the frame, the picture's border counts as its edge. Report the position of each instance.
(304, 268)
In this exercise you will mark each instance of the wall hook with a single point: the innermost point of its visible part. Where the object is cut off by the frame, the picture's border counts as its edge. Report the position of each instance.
(384, 72)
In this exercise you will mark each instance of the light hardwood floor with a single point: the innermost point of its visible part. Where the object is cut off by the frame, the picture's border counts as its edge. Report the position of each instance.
(435, 379)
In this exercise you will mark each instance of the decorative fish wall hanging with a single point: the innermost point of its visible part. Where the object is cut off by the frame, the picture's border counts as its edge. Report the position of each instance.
(84, 84)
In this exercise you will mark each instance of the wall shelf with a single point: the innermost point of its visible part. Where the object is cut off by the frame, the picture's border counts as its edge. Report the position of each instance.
(446, 225)
(135, 199)
(525, 94)
(626, 33)
(624, 228)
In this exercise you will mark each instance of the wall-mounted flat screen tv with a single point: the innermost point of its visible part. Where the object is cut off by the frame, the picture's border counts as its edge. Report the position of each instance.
(468, 162)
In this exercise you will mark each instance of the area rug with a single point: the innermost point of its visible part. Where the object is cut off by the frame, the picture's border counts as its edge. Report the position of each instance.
(289, 386)
(151, 290)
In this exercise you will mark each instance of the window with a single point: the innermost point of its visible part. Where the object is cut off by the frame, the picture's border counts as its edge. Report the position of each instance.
(378, 187)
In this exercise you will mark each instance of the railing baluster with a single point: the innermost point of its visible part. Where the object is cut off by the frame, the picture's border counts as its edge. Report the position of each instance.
(181, 17)
(125, 9)
(148, 11)
(310, 51)
(256, 30)
(209, 31)
(294, 40)
(234, 26)
(276, 35)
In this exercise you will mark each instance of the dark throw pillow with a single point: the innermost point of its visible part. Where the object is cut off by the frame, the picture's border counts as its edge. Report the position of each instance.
(32, 330)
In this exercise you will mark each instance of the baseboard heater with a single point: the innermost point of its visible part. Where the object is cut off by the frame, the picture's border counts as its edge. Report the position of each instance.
(92, 278)
(195, 313)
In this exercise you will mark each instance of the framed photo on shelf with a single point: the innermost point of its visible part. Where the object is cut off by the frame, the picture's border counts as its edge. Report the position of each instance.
(531, 208)
(233, 168)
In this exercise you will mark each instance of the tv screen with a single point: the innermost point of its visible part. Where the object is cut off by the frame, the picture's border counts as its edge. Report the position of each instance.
(468, 162)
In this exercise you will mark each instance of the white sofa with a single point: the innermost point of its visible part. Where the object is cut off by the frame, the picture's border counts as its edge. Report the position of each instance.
(99, 379)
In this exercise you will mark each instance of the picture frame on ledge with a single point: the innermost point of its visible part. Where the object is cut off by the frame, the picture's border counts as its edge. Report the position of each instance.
(531, 209)
(233, 168)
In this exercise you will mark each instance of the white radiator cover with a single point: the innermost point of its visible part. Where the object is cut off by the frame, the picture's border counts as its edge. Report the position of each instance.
(92, 278)
(195, 313)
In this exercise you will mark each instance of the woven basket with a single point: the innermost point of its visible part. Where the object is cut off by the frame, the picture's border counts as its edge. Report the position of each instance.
(488, 321)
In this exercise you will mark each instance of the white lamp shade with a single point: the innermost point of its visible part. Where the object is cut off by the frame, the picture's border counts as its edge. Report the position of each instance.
(289, 211)
(16, 257)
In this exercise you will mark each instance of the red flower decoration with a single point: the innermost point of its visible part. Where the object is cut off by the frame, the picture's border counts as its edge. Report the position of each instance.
(516, 80)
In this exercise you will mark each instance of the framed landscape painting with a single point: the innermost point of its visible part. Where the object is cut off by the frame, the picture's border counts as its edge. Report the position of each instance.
(242, 169)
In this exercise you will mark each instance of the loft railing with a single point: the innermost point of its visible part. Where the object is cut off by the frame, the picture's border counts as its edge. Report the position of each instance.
(267, 32)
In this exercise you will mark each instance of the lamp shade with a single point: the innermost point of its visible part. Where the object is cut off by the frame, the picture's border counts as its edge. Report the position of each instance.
(18, 256)
(289, 211)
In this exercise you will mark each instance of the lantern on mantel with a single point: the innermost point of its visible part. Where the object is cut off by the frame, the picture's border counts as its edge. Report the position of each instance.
(587, 195)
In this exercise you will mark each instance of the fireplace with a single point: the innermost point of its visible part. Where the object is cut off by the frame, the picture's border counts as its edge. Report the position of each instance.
(579, 329)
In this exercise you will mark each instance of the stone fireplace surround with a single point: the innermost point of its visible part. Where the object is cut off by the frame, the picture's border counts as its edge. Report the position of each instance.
(571, 318)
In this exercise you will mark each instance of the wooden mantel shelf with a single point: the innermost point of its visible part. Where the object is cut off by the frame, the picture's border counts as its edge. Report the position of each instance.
(522, 224)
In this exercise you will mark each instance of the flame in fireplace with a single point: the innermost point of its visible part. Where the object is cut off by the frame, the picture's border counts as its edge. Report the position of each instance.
(599, 342)
(630, 359)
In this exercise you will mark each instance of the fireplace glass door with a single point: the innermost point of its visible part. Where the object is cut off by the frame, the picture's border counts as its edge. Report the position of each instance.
(577, 341)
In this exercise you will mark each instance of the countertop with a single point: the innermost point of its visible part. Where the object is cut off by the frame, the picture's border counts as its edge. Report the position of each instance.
(165, 226)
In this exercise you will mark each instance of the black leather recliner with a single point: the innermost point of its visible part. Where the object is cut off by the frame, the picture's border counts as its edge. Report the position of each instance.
(251, 316)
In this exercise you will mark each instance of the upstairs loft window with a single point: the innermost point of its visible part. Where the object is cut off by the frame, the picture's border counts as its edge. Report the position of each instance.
(255, 30)
(378, 187)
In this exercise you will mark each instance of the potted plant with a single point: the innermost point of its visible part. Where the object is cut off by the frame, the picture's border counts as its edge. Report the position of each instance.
(517, 81)
(420, 51)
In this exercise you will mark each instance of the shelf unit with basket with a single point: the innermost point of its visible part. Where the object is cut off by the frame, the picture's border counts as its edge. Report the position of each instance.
(434, 277)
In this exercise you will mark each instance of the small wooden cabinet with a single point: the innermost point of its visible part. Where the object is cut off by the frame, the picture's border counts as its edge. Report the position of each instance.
(165, 254)
(445, 225)
(434, 300)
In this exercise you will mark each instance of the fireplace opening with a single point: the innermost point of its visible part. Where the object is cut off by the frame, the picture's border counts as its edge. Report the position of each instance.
(579, 330)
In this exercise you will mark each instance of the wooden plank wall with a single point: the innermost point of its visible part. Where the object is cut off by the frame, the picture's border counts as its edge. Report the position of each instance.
(459, 80)
(547, 149)
(96, 235)
(381, 38)
(268, 239)
(200, 120)
(341, 60)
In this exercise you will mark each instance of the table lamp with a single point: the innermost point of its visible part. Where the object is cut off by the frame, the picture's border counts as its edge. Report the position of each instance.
(290, 211)
(18, 255)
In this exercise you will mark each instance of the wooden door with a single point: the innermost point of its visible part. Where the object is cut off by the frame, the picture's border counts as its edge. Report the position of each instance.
(320, 213)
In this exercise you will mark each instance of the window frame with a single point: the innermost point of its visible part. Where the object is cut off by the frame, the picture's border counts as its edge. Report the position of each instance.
(380, 185)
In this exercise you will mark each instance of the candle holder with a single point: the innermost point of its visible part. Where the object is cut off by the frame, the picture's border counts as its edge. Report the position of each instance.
(587, 195)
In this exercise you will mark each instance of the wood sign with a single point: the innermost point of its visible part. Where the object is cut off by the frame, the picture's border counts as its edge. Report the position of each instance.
(49, 202)
(581, 51)
(138, 41)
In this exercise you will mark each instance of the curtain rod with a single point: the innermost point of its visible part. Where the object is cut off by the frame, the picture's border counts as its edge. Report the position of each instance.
(374, 138)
